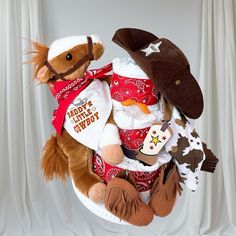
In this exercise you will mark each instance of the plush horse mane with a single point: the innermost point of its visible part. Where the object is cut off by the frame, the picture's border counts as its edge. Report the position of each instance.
(40, 52)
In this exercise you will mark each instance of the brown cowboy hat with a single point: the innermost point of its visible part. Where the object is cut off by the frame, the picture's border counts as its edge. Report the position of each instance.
(166, 65)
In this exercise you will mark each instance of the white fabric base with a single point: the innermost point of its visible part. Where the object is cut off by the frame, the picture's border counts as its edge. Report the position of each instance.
(131, 117)
(97, 209)
(127, 67)
(134, 165)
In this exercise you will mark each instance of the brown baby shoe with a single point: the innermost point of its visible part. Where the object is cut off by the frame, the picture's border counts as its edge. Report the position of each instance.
(164, 191)
(122, 200)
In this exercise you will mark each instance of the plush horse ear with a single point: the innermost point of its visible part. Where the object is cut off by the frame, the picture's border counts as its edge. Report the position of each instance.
(39, 58)
(98, 50)
(43, 74)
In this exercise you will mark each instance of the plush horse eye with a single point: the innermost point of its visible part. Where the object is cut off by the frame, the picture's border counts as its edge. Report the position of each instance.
(68, 56)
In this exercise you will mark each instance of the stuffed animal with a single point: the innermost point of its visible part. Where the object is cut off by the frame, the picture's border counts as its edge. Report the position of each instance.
(83, 113)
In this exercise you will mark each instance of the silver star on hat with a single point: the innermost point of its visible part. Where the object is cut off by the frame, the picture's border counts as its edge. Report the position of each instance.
(152, 48)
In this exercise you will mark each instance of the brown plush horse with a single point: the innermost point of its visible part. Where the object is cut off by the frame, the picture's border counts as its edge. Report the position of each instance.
(68, 59)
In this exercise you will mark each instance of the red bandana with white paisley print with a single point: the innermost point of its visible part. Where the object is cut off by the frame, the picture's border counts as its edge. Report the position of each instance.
(139, 90)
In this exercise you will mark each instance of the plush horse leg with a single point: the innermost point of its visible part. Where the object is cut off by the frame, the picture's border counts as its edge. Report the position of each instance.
(110, 143)
(80, 167)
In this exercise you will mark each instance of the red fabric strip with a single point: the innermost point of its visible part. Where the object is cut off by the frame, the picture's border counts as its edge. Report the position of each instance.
(139, 90)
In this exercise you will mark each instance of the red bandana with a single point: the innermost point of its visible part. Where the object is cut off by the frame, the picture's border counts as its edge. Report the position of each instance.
(133, 138)
(66, 91)
(143, 179)
(139, 90)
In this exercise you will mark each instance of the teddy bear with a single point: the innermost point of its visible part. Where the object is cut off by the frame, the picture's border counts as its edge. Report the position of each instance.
(83, 119)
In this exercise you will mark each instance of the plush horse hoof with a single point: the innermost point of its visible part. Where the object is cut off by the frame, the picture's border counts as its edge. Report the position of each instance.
(122, 200)
(97, 192)
(112, 154)
(164, 192)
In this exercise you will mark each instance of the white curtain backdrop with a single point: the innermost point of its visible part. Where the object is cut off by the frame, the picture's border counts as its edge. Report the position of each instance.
(217, 124)
(28, 206)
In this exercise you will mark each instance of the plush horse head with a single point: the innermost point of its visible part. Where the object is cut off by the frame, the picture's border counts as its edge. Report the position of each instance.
(66, 59)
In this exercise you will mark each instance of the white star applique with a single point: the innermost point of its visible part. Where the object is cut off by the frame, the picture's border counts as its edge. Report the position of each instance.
(152, 48)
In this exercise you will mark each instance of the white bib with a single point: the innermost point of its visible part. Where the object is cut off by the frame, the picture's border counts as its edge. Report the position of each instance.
(88, 113)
